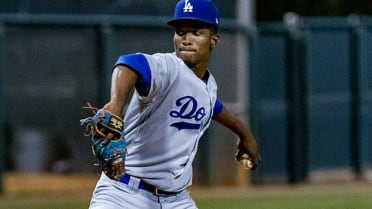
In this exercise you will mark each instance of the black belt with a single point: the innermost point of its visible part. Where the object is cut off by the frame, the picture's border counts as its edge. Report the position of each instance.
(148, 187)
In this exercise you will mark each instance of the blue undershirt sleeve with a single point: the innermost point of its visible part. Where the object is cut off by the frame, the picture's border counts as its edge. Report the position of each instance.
(217, 109)
(139, 64)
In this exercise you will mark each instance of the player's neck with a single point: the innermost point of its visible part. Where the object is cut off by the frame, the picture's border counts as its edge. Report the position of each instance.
(200, 70)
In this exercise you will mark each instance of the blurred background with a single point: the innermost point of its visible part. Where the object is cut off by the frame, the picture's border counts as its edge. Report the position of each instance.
(299, 72)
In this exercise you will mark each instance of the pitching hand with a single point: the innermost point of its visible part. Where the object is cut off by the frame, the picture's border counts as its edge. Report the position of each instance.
(248, 150)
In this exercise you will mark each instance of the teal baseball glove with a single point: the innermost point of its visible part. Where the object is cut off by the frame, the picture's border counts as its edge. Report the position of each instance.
(108, 144)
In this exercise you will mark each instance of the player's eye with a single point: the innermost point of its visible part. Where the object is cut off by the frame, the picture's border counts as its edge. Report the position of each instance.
(197, 32)
(180, 32)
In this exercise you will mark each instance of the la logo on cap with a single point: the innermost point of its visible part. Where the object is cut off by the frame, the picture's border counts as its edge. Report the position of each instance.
(188, 7)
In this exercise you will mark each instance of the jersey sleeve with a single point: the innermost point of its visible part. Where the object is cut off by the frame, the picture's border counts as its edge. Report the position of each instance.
(217, 109)
(139, 64)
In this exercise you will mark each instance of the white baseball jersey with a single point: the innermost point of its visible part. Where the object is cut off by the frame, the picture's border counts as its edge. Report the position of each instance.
(168, 113)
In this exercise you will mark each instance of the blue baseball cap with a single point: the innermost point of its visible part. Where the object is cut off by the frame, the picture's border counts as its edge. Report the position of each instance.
(200, 10)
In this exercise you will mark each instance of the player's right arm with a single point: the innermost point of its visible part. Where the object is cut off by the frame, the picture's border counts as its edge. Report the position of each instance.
(247, 143)
(123, 82)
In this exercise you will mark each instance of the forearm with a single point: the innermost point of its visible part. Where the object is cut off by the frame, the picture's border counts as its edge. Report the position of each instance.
(122, 83)
(247, 143)
(234, 124)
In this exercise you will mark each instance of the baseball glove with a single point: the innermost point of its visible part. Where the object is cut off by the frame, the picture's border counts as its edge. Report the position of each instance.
(108, 145)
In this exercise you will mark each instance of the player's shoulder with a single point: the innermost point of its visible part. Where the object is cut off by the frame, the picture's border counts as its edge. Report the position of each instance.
(167, 57)
(165, 62)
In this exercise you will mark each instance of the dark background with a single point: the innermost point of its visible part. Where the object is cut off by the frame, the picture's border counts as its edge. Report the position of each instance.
(266, 10)
(309, 84)
(269, 10)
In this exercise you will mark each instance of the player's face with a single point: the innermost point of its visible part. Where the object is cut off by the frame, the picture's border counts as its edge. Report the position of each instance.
(194, 43)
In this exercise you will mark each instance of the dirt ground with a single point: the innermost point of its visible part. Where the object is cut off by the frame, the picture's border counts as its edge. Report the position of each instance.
(82, 185)
(79, 185)
(75, 185)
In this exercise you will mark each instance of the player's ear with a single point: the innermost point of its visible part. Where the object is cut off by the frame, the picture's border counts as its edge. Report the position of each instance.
(215, 39)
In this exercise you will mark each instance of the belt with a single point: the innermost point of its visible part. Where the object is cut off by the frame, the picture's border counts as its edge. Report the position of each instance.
(148, 187)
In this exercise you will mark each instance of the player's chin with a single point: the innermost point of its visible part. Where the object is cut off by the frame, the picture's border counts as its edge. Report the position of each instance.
(188, 59)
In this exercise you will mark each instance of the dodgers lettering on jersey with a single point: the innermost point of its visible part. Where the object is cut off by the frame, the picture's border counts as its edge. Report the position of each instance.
(165, 119)
(188, 109)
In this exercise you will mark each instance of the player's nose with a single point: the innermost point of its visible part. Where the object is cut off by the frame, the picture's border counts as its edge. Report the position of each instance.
(186, 42)
(187, 39)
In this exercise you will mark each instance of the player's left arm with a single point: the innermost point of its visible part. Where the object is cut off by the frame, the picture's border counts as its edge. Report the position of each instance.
(247, 143)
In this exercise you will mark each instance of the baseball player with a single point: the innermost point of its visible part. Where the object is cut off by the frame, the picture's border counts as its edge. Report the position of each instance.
(174, 101)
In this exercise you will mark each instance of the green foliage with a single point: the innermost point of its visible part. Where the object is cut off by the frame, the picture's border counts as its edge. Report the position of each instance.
(354, 197)
(290, 202)
(43, 203)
